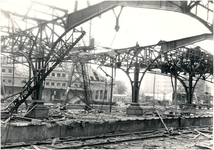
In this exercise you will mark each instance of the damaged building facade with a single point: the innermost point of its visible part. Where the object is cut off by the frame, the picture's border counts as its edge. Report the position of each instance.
(56, 84)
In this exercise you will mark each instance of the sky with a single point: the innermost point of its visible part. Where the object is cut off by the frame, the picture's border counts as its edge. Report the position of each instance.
(145, 26)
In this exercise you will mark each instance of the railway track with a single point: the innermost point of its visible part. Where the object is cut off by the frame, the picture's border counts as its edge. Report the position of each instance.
(102, 141)
(80, 142)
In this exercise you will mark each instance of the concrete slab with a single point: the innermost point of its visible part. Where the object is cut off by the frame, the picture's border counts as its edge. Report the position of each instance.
(74, 128)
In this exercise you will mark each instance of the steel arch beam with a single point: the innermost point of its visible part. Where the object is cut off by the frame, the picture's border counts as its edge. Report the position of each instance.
(167, 46)
(209, 27)
(83, 15)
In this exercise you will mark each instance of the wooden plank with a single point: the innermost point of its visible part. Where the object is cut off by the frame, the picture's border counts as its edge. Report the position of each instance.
(203, 146)
(162, 121)
(36, 147)
(196, 136)
(209, 137)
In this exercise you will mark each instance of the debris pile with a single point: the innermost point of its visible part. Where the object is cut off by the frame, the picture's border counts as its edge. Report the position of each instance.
(100, 114)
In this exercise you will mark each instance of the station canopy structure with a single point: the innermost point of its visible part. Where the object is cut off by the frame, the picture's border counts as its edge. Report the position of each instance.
(41, 36)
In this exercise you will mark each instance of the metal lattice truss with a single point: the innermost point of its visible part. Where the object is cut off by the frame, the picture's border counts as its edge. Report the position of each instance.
(80, 75)
(155, 57)
(35, 29)
(187, 64)
(45, 35)
(33, 35)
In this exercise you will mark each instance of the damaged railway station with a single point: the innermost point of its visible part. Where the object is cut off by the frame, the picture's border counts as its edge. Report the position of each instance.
(57, 89)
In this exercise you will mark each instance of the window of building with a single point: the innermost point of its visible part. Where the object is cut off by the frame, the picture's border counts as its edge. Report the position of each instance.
(76, 85)
(9, 81)
(101, 94)
(105, 94)
(3, 70)
(9, 91)
(96, 94)
(63, 75)
(63, 84)
(3, 80)
(53, 74)
(58, 74)
(10, 70)
(52, 83)
(56, 95)
(58, 84)
(92, 78)
(47, 83)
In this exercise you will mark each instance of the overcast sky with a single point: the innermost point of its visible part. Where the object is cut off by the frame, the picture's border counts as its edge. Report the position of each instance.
(145, 26)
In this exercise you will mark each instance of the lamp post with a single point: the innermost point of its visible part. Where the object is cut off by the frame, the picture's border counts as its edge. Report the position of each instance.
(175, 97)
(112, 80)
(154, 90)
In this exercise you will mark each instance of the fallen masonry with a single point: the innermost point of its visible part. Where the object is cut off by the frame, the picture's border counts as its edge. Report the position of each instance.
(80, 123)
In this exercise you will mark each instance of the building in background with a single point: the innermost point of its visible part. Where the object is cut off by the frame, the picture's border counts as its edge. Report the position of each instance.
(55, 83)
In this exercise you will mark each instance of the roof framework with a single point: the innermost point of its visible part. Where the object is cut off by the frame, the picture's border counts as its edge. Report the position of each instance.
(50, 35)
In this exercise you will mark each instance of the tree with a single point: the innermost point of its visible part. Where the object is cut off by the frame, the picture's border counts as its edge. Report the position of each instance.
(120, 87)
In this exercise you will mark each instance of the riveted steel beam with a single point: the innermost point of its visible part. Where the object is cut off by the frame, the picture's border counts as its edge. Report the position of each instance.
(166, 46)
(81, 16)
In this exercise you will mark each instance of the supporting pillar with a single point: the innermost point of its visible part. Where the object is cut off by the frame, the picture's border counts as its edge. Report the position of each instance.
(135, 88)
(134, 108)
(86, 85)
(175, 96)
(154, 91)
(112, 81)
(39, 65)
(190, 90)
(37, 109)
(37, 94)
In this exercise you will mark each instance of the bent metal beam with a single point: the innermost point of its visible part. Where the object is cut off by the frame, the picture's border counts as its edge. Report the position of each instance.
(78, 17)
(88, 13)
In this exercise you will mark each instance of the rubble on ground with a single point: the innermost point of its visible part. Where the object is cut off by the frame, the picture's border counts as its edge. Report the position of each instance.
(102, 114)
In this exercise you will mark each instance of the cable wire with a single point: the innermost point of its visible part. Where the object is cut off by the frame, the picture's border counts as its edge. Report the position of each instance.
(113, 39)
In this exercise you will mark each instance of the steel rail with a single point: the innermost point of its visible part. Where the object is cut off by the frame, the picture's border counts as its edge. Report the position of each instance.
(112, 142)
(67, 139)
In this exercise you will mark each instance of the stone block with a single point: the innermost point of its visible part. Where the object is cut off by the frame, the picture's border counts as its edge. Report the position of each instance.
(189, 109)
(40, 111)
(134, 109)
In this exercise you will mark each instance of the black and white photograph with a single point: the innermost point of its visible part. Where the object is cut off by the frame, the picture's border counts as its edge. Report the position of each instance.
(99, 74)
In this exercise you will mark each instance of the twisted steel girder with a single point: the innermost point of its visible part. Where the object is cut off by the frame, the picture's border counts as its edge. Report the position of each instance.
(81, 16)
(28, 89)
(36, 41)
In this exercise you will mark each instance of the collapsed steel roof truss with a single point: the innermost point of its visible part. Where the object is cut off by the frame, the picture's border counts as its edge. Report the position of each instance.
(43, 45)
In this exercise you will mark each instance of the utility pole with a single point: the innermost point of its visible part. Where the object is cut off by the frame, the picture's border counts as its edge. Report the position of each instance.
(112, 69)
(154, 90)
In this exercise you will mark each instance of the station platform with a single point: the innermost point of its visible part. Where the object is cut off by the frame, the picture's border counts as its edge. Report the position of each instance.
(80, 123)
